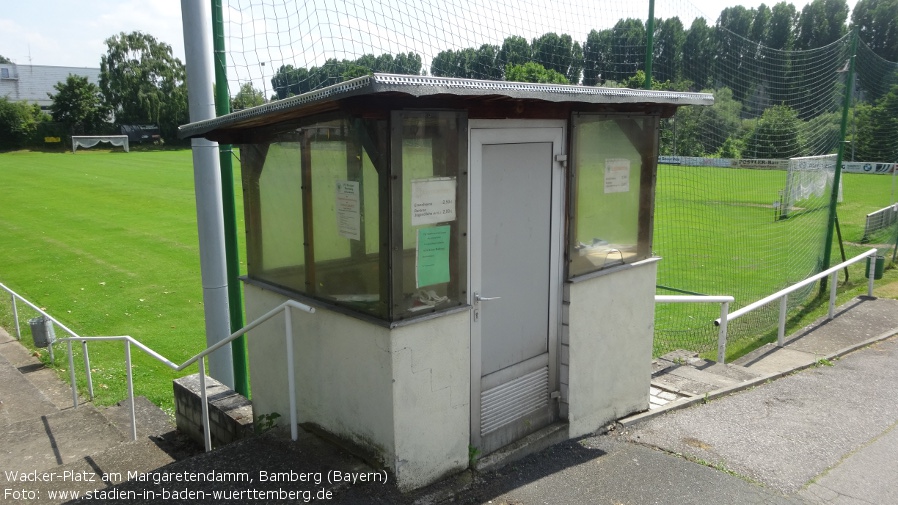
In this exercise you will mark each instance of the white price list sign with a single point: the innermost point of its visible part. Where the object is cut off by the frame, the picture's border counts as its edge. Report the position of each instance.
(433, 200)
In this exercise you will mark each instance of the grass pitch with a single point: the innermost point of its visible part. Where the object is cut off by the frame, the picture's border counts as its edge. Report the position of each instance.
(106, 242)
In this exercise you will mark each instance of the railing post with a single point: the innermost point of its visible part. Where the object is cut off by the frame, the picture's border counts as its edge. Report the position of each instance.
(722, 332)
(781, 331)
(50, 331)
(832, 294)
(87, 373)
(15, 316)
(72, 376)
(130, 388)
(872, 276)
(207, 435)
(291, 377)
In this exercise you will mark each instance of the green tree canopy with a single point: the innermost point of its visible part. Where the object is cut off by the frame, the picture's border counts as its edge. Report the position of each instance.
(4, 59)
(534, 72)
(877, 25)
(289, 80)
(79, 105)
(247, 97)
(776, 135)
(18, 123)
(143, 82)
(875, 139)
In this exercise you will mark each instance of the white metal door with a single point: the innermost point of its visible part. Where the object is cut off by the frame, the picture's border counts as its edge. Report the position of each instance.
(517, 214)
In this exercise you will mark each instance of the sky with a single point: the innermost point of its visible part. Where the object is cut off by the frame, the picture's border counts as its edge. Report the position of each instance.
(66, 33)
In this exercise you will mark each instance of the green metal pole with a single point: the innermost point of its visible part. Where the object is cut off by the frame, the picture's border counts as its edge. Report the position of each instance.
(837, 178)
(235, 298)
(649, 45)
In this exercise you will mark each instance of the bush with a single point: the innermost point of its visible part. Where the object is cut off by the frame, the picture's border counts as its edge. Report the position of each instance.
(18, 123)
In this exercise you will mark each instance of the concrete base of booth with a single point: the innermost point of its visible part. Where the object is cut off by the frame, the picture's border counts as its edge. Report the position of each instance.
(401, 393)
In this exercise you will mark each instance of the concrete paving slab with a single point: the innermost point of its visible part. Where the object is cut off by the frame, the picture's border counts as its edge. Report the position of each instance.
(771, 359)
(19, 398)
(787, 432)
(735, 372)
(860, 476)
(55, 439)
(44, 378)
(98, 471)
(719, 381)
(687, 386)
(860, 319)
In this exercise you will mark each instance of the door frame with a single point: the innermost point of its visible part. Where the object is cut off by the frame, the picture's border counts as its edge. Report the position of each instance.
(515, 131)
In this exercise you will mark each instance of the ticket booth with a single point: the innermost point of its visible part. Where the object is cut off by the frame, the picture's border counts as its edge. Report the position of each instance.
(479, 252)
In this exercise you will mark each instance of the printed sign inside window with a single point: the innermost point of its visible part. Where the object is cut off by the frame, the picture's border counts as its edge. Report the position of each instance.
(348, 210)
(617, 175)
(433, 200)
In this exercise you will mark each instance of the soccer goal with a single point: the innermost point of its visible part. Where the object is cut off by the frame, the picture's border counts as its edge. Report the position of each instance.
(87, 141)
(809, 182)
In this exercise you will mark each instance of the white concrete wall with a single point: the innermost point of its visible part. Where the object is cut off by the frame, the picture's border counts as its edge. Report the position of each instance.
(432, 390)
(343, 372)
(609, 334)
(402, 393)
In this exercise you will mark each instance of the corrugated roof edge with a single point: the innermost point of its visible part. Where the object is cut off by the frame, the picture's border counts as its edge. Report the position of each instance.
(425, 86)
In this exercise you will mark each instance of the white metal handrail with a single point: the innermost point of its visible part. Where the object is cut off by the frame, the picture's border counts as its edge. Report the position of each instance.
(198, 358)
(724, 302)
(783, 295)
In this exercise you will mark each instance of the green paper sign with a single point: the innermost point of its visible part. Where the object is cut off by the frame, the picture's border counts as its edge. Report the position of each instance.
(432, 260)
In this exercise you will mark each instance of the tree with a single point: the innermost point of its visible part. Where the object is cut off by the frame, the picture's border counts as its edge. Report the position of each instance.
(79, 105)
(704, 131)
(596, 57)
(143, 82)
(515, 50)
(4, 59)
(875, 21)
(18, 123)
(559, 53)
(669, 41)
(534, 72)
(776, 135)
(734, 50)
(698, 51)
(628, 49)
(821, 23)
(781, 28)
(876, 127)
(247, 97)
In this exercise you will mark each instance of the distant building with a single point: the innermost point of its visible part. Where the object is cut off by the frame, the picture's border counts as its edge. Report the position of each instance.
(31, 83)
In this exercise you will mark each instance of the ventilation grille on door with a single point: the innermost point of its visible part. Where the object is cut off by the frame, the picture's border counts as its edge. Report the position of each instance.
(512, 400)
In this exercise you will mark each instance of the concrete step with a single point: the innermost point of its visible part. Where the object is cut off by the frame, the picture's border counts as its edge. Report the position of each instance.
(98, 471)
(531, 444)
(19, 398)
(153, 425)
(685, 374)
(44, 379)
(56, 439)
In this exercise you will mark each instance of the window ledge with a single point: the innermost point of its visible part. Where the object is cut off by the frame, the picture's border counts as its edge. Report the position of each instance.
(322, 304)
(613, 270)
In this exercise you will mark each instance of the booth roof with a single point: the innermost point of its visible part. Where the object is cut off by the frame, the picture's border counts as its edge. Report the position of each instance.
(422, 86)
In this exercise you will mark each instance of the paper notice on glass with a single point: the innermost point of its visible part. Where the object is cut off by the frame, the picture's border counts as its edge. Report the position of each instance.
(432, 258)
(617, 175)
(348, 213)
(433, 200)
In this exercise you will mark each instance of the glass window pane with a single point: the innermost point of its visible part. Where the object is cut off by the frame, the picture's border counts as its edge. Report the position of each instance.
(278, 257)
(345, 206)
(433, 272)
(608, 168)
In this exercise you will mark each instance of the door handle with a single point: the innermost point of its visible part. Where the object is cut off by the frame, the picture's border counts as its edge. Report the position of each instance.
(479, 298)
